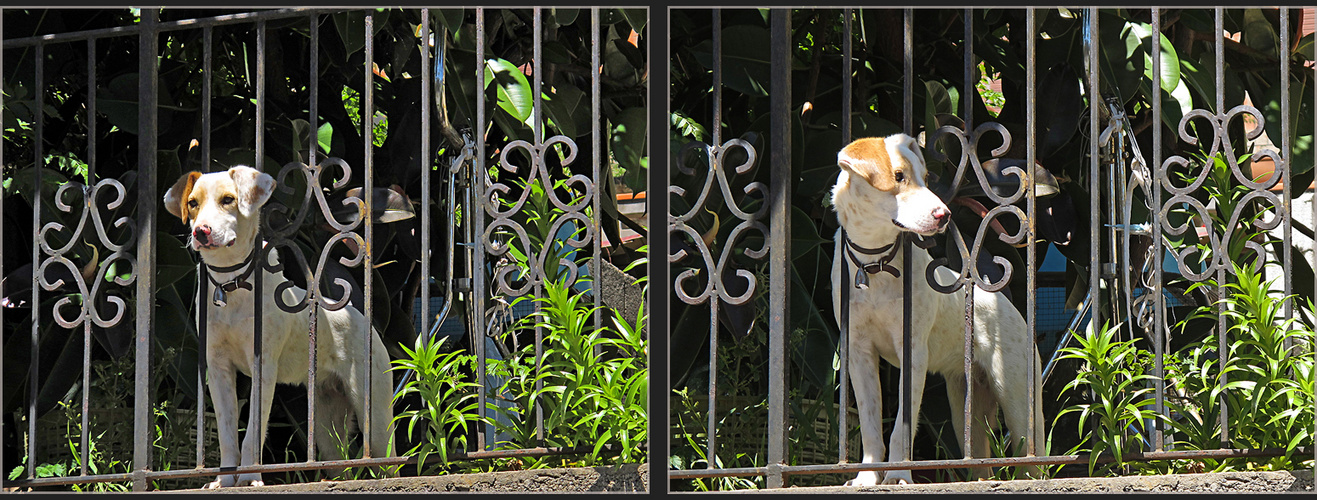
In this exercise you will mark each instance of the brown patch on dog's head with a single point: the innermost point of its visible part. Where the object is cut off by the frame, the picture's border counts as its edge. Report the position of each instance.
(176, 199)
(867, 158)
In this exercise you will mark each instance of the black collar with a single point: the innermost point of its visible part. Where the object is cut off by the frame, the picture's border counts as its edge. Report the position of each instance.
(239, 281)
(886, 253)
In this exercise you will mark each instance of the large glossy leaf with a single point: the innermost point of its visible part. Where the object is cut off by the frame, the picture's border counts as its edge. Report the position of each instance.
(1122, 54)
(351, 27)
(636, 18)
(628, 143)
(451, 18)
(1259, 34)
(514, 91)
(1059, 94)
(744, 57)
(1300, 98)
(569, 108)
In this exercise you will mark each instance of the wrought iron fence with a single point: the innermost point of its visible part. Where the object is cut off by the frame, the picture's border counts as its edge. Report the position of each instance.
(1128, 234)
(488, 202)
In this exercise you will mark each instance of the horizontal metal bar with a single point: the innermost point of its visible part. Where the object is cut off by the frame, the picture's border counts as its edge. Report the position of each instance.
(980, 462)
(162, 27)
(706, 473)
(309, 465)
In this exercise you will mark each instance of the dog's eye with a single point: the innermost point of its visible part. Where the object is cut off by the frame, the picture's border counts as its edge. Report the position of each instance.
(192, 203)
(227, 200)
(900, 176)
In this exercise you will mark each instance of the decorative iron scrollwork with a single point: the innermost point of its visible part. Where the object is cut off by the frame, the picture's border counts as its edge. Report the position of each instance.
(749, 221)
(1218, 124)
(119, 253)
(503, 222)
(281, 236)
(969, 157)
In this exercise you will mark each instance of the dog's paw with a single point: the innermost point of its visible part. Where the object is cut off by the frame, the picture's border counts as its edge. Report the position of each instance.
(250, 480)
(213, 485)
(898, 477)
(864, 478)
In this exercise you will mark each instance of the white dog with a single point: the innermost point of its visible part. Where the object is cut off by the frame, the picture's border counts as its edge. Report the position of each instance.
(879, 194)
(222, 210)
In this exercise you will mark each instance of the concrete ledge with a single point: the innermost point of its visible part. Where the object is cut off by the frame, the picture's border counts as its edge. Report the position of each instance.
(628, 478)
(1224, 482)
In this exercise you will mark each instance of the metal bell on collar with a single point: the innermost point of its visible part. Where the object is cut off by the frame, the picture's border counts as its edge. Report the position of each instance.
(861, 279)
(219, 297)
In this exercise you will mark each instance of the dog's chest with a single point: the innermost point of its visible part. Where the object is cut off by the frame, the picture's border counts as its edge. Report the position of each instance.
(230, 335)
(877, 315)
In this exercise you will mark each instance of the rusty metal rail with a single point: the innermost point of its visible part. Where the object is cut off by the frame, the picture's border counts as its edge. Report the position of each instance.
(305, 466)
(1078, 459)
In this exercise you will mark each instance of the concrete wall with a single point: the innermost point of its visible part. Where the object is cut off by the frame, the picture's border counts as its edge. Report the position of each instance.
(629, 478)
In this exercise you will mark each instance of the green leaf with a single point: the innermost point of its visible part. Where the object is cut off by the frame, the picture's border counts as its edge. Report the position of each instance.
(628, 142)
(325, 137)
(569, 109)
(636, 18)
(514, 91)
(746, 68)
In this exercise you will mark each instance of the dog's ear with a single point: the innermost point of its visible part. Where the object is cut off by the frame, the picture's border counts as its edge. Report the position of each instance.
(254, 188)
(176, 197)
(908, 148)
(868, 159)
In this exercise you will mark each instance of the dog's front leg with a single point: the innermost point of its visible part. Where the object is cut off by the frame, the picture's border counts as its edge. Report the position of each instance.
(903, 435)
(869, 402)
(223, 394)
(256, 422)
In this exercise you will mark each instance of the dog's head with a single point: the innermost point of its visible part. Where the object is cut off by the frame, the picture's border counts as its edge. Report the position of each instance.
(221, 210)
(883, 179)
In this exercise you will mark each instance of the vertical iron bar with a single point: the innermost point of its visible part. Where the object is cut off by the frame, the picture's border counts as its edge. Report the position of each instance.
(712, 429)
(971, 94)
(779, 237)
(203, 285)
(427, 73)
(38, 164)
(1219, 44)
(149, 70)
(2, 214)
(368, 216)
(1155, 187)
(907, 264)
(91, 205)
(1031, 210)
(257, 404)
(1286, 157)
(843, 427)
(1314, 254)
(313, 282)
(1094, 174)
(596, 263)
(538, 51)
(477, 214)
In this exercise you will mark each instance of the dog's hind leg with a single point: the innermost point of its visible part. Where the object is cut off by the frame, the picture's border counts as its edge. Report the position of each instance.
(381, 400)
(381, 406)
(334, 426)
(1014, 403)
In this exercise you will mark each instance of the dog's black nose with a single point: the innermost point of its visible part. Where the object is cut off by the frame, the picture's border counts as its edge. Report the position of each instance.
(201, 234)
